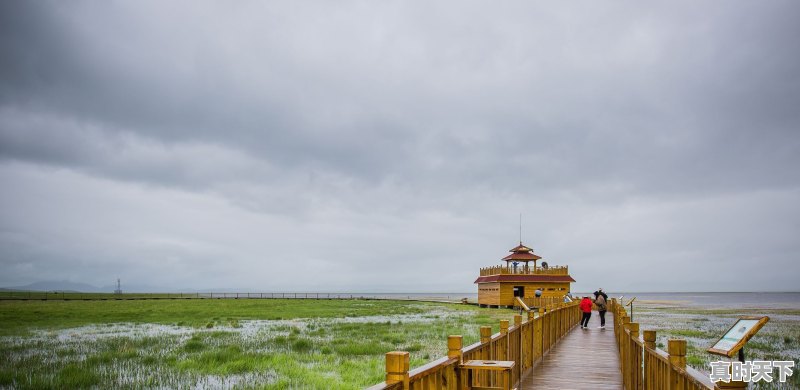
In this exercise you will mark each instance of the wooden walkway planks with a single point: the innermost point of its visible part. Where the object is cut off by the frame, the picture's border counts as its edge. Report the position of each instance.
(583, 359)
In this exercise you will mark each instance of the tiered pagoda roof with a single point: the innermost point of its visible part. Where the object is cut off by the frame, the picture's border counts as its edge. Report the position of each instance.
(521, 253)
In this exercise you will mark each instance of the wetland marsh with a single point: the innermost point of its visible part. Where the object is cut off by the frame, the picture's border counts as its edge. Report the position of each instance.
(223, 343)
(287, 343)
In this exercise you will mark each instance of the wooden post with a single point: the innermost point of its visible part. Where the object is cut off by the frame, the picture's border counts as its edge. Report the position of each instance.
(454, 345)
(636, 358)
(650, 339)
(677, 352)
(624, 349)
(625, 321)
(486, 334)
(397, 364)
(502, 347)
(560, 319)
(649, 379)
(556, 323)
(540, 334)
(546, 328)
(677, 359)
(530, 339)
(487, 353)
(551, 331)
(519, 350)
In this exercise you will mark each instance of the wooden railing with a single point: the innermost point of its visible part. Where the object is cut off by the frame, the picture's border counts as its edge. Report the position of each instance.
(644, 366)
(521, 270)
(542, 301)
(524, 343)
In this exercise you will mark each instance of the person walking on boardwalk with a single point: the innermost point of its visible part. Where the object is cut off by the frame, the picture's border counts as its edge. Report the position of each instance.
(586, 308)
(600, 292)
(600, 301)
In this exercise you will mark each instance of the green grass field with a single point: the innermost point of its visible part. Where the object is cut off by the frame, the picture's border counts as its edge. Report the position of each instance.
(223, 343)
(286, 343)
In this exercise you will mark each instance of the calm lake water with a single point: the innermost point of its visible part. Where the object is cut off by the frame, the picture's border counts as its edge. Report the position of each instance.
(705, 300)
(742, 300)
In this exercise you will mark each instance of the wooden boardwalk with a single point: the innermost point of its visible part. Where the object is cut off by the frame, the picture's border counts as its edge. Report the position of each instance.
(583, 359)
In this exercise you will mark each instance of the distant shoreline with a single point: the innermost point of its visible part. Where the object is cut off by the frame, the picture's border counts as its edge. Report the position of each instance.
(232, 291)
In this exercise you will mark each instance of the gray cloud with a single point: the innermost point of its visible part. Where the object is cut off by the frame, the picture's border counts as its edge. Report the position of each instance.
(199, 144)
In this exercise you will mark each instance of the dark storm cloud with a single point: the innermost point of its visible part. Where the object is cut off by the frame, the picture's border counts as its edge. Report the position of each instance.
(410, 119)
(115, 75)
(686, 93)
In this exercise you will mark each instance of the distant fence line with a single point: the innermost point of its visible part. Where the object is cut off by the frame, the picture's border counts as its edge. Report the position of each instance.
(69, 296)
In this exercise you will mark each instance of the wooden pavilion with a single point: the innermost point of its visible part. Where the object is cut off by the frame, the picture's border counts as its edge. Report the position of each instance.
(501, 285)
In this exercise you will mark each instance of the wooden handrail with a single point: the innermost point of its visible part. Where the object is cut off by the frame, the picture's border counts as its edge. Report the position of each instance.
(520, 302)
(432, 366)
(644, 366)
(532, 302)
(524, 343)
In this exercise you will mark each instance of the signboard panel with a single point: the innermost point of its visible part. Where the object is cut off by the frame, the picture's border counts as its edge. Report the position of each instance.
(734, 339)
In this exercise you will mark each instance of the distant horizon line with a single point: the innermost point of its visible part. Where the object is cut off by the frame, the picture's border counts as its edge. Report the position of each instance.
(229, 291)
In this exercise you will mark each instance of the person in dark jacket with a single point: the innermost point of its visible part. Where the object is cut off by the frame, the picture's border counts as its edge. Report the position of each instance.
(601, 303)
(586, 308)
(601, 300)
(600, 292)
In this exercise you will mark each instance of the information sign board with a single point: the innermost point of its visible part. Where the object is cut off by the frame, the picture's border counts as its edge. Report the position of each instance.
(735, 338)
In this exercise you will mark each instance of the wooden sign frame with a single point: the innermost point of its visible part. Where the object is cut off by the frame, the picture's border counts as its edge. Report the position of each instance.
(741, 339)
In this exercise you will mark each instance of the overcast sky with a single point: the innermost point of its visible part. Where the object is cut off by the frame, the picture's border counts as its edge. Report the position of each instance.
(391, 146)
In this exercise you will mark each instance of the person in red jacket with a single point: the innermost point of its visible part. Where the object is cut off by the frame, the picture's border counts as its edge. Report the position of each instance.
(586, 308)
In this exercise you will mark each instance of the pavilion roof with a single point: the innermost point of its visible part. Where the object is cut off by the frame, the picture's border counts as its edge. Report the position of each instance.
(521, 253)
(525, 278)
(521, 256)
(520, 248)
